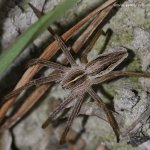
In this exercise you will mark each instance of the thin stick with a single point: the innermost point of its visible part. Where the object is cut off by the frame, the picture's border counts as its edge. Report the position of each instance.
(90, 45)
(98, 20)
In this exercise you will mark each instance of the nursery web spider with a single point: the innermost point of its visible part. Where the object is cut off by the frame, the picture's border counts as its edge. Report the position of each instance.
(78, 79)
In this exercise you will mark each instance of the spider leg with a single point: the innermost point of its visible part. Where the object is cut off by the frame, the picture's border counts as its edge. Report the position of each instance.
(47, 63)
(70, 119)
(60, 41)
(63, 47)
(108, 113)
(115, 74)
(37, 82)
(57, 110)
(134, 74)
(24, 108)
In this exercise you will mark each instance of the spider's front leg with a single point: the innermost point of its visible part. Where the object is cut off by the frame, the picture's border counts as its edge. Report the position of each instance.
(47, 63)
(60, 41)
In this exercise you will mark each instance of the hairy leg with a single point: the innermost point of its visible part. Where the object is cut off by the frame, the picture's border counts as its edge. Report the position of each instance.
(116, 74)
(36, 82)
(74, 113)
(108, 112)
(47, 63)
(58, 109)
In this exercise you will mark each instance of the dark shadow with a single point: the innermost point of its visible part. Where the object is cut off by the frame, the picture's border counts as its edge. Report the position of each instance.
(13, 145)
(127, 61)
(108, 35)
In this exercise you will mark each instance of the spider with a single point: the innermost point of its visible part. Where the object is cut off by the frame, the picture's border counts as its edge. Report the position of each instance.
(78, 79)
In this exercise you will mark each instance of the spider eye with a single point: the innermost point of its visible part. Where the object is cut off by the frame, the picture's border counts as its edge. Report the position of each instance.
(105, 63)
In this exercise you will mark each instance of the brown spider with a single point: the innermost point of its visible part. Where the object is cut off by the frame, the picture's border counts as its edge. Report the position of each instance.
(78, 80)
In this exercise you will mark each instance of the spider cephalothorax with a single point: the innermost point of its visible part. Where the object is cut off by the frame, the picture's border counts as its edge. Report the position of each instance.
(75, 78)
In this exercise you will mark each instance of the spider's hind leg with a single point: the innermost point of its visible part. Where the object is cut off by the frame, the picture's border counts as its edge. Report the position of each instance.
(109, 114)
(74, 113)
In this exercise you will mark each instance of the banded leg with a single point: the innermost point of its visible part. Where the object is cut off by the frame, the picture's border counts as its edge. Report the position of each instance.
(47, 63)
(61, 43)
(57, 110)
(74, 113)
(108, 113)
(37, 82)
(115, 74)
